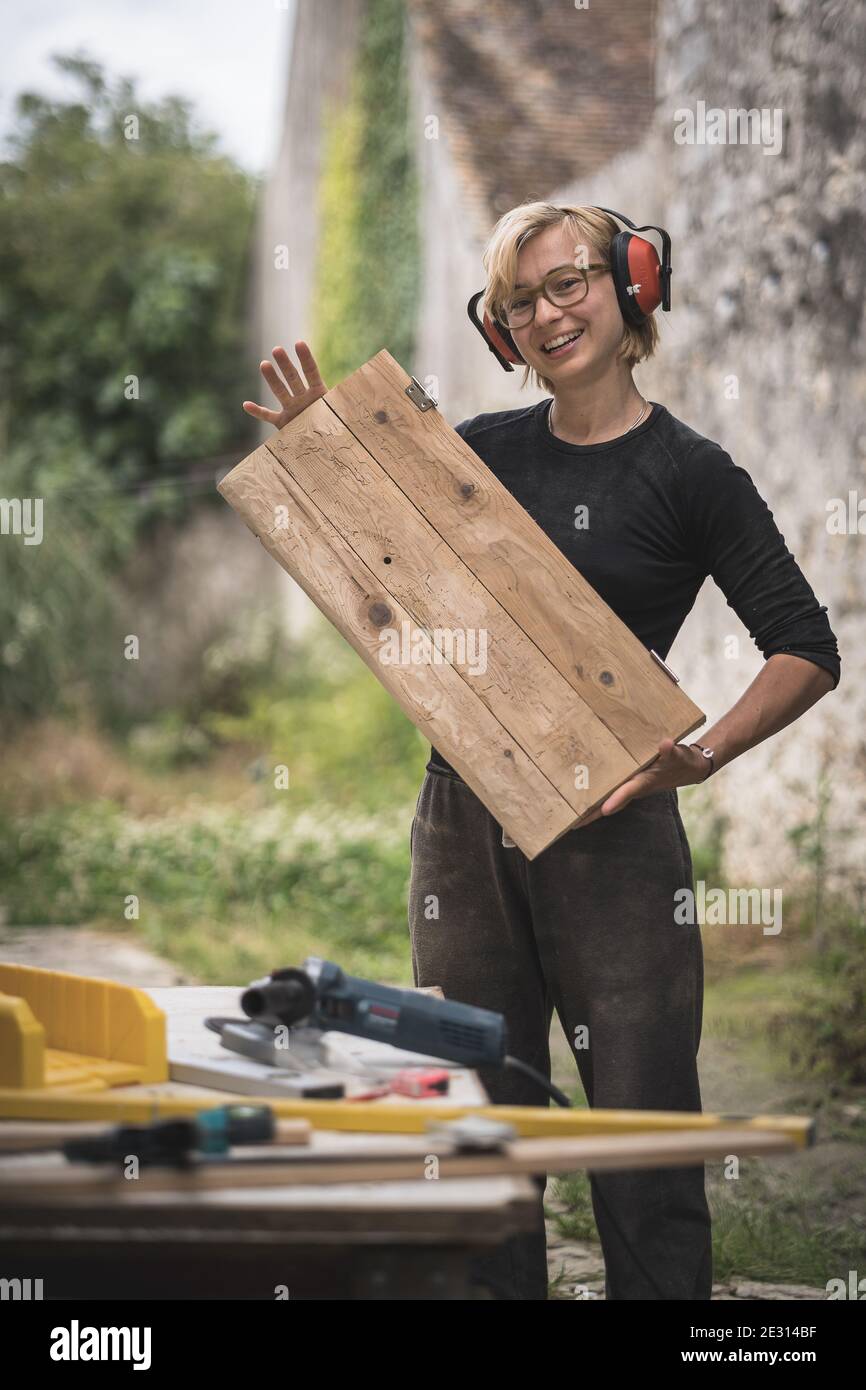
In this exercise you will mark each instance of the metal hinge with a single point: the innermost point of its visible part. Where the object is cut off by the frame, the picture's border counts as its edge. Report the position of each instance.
(664, 666)
(419, 396)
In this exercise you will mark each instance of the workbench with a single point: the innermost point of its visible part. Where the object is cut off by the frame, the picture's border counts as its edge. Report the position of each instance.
(389, 1240)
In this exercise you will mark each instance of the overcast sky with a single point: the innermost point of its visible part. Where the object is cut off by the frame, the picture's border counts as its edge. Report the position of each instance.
(228, 57)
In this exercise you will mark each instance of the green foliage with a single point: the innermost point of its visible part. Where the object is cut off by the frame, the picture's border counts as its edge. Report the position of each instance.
(763, 1229)
(169, 742)
(706, 829)
(55, 595)
(775, 1233)
(708, 852)
(826, 1035)
(577, 1220)
(223, 893)
(823, 1032)
(255, 656)
(809, 837)
(122, 257)
(341, 340)
(343, 738)
(365, 294)
(119, 258)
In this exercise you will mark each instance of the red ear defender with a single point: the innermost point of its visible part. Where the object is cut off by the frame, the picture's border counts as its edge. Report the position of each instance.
(495, 334)
(642, 281)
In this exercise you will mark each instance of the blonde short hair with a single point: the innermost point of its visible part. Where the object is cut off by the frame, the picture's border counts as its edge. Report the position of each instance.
(588, 226)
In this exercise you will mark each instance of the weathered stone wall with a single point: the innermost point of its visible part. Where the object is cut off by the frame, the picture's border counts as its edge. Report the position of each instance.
(764, 352)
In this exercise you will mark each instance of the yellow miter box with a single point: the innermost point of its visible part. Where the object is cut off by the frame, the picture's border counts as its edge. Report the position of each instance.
(73, 1034)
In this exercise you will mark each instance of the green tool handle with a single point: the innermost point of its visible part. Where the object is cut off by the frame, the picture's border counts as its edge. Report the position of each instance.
(234, 1124)
(177, 1140)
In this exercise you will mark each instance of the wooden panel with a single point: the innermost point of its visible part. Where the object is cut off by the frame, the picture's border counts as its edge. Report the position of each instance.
(393, 525)
(601, 658)
(436, 698)
(529, 697)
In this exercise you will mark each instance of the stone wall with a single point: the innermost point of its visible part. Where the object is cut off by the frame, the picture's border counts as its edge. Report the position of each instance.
(764, 352)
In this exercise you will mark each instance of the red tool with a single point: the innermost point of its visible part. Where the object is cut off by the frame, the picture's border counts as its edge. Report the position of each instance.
(421, 1083)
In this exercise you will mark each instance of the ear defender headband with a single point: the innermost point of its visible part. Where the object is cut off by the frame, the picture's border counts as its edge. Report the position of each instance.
(642, 282)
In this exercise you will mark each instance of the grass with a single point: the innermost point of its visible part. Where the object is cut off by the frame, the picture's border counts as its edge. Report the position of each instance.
(578, 1221)
(183, 832)
(763, 1230)
(777, 1233)
(220, 892)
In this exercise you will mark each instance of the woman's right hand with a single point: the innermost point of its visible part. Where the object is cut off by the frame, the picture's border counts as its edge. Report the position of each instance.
(290, 389)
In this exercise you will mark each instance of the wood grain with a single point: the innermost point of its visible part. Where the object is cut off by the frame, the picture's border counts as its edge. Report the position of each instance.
(397, 530)
(441, 704)
(517, 561)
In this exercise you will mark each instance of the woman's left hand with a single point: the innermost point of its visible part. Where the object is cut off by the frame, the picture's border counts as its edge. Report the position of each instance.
(675, 766)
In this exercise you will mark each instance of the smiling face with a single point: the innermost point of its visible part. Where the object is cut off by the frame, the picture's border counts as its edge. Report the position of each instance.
(597, 318)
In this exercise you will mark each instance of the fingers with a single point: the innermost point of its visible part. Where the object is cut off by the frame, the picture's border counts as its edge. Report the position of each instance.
(261, 412)
(314, 382)
(615, 802)
(289, 371)
(276, 382)
(288, 385)
(311, 370)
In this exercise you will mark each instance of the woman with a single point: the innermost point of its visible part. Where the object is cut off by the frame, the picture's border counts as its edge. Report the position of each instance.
(588, 927)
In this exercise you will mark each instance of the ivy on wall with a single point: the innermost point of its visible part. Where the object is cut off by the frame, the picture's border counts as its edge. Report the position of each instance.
(365, 295)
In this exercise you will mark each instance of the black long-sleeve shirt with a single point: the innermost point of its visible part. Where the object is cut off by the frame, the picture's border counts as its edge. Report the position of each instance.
(647, 517)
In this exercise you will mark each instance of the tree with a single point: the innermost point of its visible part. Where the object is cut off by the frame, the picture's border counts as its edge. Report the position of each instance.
(124, 245)
(124, 241)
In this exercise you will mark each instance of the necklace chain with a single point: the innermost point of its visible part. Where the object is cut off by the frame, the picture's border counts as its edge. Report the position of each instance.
(628, 431)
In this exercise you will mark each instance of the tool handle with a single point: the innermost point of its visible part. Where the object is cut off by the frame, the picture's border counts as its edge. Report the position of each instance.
(234, 1124)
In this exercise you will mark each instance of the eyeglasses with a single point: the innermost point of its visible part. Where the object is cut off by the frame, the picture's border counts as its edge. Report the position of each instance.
(566, 285)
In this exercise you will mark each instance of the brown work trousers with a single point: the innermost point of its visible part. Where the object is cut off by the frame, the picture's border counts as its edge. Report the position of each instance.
(586, 928)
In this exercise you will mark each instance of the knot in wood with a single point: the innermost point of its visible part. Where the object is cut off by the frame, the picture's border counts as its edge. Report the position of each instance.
(381, 417)
(467, 489)
(380, 614)
(606, 678)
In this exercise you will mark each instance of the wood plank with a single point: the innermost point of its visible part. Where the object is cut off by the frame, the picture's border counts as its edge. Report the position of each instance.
(532, 701)
(394, 527)
(442, 704)
(600, 657)
(52, 1179)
